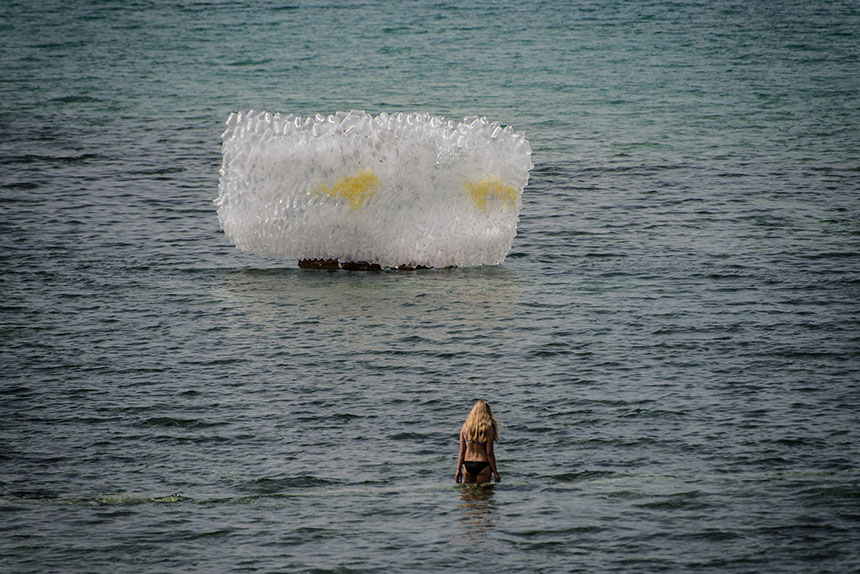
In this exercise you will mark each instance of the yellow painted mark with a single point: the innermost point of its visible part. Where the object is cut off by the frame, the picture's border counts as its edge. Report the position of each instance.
(480, 190)
(356, 189)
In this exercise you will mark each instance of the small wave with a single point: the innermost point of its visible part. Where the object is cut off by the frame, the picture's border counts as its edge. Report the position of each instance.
(268, 485)
(62, 159)
(675, 501)
(178, 422)
(75, 100)
(408, 436)
(582, 476)
(712, 535)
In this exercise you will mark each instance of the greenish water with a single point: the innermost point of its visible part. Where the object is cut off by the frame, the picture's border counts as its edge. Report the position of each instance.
(672, 341)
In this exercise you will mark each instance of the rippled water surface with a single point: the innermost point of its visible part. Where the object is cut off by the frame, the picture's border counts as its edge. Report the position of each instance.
(672, 343)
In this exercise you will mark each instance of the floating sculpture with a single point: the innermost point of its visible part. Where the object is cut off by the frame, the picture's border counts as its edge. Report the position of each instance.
(366, 192)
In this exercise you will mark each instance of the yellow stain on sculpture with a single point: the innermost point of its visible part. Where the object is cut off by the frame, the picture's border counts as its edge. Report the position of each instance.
(356, 189)
(480, 190)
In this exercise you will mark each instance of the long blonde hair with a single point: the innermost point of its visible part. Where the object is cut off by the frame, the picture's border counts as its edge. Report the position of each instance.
(479, 422)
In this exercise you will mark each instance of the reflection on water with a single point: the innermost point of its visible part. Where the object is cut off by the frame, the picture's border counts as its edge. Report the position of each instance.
(479, 511)
(483, 292)
(358, 312)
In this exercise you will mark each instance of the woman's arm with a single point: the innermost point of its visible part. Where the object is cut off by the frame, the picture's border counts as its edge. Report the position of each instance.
(458, 477)
(491, 456)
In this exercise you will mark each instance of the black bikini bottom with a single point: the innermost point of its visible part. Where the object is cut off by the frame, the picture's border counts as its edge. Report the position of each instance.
(474, 467)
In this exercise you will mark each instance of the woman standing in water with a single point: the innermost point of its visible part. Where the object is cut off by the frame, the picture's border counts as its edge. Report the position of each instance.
(477, 436)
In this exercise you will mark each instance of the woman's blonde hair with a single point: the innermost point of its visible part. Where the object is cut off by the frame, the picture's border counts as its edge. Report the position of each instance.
(479, 422)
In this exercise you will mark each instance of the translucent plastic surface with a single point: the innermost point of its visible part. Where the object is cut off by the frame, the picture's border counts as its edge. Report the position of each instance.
(400, 189)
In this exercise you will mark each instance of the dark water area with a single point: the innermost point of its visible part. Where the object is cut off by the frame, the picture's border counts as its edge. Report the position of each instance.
(672, 342)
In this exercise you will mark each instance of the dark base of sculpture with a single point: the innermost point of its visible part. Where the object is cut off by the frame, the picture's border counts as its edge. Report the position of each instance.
(351, 265)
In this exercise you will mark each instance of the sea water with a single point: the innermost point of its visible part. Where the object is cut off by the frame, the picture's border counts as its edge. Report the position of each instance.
(671, 341)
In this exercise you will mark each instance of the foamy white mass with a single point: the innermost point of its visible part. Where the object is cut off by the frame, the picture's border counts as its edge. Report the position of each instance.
(399, 189)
